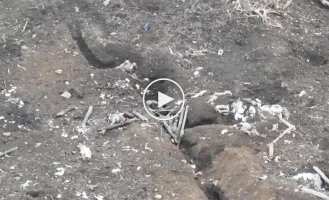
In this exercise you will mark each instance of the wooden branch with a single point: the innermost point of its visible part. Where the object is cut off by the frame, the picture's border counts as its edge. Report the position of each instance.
(315, 193)
(84, 122)
(181, 131)
(114, 126)
(140, 116)
(321, 174)
(167, 127)
(180, 122)
(2, 154)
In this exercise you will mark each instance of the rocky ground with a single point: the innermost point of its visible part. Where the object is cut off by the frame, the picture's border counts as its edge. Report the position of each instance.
(74, 46)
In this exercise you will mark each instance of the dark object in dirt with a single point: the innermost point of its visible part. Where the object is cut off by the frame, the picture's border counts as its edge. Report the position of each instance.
(109, 56)
(77, 93)
(324, 144)
(200, 113)
(213, 192)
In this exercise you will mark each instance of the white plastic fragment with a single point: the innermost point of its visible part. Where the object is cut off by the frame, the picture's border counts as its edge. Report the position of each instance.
(158, 196)
(84, 151)
(116, 170)
(60, 171)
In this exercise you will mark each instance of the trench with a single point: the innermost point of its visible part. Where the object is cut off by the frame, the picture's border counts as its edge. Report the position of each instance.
(156, 66)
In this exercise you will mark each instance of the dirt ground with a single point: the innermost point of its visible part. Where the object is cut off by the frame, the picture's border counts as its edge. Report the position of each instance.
(203, 45)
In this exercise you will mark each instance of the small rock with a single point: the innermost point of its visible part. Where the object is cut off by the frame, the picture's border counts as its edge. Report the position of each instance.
(66, 95)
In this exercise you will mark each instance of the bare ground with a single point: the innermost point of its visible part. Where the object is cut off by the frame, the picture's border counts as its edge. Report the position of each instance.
(87, 39)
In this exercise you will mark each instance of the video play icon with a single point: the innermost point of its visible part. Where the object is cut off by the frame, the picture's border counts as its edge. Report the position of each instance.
(163, 99)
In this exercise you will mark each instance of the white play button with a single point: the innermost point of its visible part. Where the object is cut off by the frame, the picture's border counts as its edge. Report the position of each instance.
(163, 99)
(155, 98)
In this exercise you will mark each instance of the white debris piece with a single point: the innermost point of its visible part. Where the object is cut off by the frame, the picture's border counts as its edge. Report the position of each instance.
(238, 109)
(84, 151)
(60, 171)
(220, 52)
(199, 94)
(127, 66)
(223, 109)
(310, 177)
(302, 93)
(106, 2)
(26, 184)
(196, 74)
(83, 195)
(116, 170)
(66, 95)
(224, 131)
(158, 196)
(59, 72)
(99, 197)
(16, 101)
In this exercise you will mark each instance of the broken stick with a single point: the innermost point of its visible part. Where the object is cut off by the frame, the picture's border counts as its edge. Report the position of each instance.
(181, 131)
(140, 116)
(84, 122)
(63, 112)
(167, 127)
(2, 154)
(321, 174)
(114, 126)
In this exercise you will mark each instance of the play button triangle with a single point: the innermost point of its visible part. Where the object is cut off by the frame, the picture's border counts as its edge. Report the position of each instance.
(163, 99)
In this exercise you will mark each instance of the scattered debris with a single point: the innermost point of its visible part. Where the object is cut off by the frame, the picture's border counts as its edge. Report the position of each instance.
(66, 95)
(176, 126)
(63, 112)
(16, 101)
(2, 154)
(84, 151)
